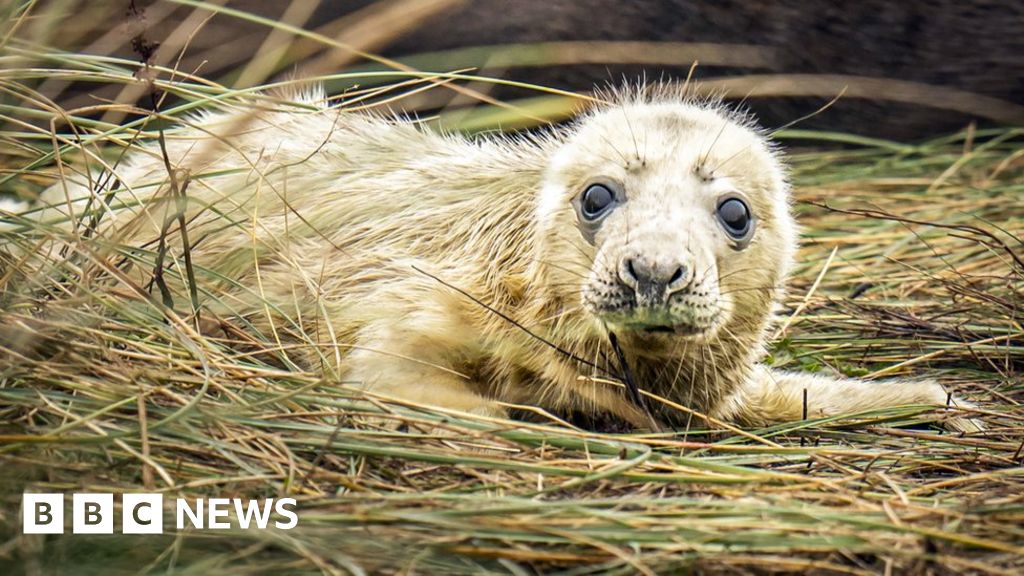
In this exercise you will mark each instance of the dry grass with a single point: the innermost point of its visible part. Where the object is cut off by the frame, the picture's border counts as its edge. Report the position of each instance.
(914, 255)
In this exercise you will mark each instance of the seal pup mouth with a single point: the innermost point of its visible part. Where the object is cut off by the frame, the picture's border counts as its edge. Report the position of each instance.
(659, 322)
(655, 328)
(684, 330)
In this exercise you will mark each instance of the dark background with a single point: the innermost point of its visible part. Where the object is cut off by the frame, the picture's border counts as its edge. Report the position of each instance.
(910, 69)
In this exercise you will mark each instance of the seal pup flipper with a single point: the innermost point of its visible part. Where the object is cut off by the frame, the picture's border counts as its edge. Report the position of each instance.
(417, 351)
(394, 368)
(771, 396)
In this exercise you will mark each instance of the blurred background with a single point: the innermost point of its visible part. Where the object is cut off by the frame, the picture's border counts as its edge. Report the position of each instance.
(900, 70)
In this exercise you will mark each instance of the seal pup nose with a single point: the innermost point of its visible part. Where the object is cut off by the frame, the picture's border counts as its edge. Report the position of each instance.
(653, 280)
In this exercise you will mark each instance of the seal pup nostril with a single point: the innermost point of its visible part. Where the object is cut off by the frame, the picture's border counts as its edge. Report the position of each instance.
(677, 276)
(640, 272)
(628, 275)
(641, 275)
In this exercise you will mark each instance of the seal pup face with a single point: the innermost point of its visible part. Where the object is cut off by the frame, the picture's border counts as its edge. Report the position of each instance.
(669, 218)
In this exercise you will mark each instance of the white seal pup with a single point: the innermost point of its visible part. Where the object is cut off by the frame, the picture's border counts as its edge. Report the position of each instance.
(648, 242)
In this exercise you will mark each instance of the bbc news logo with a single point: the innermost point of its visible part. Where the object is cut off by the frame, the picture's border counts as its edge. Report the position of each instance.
(94, 513)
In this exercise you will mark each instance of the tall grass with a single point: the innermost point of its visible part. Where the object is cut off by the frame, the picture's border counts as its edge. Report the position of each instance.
(911, 265)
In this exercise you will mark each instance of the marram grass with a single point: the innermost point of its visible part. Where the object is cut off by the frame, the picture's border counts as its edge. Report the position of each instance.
(910, 265)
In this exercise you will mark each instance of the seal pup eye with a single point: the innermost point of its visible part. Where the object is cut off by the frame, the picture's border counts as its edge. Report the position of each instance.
(596, 201)
(736, 219)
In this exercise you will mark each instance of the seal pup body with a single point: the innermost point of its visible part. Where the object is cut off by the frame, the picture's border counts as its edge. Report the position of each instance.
(476, 274)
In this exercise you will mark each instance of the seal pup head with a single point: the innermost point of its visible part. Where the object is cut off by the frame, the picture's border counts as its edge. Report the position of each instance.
(661, 217)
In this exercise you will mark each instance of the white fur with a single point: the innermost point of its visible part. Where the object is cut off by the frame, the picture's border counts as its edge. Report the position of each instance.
(368, 245)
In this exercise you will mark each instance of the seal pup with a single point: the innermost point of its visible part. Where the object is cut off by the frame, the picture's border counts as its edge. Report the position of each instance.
(648, 242)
